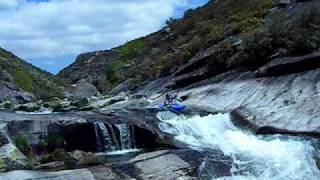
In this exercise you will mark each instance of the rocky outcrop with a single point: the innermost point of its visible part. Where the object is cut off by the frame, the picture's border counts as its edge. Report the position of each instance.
(57, 141)
(290, 65)
(164, 164)
(10, 156)
(286, 102)
(52, 131)
(10, 92)
(91, 68)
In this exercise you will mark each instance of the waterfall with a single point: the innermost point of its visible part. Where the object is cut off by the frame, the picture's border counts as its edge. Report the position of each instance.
(114, 137)
(254, 157)
(125, 136)
(109, 140)
(104, 140)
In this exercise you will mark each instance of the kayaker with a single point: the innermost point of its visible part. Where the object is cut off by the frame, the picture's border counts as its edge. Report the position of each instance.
(171, 99)
(168, 100)
(172, 103)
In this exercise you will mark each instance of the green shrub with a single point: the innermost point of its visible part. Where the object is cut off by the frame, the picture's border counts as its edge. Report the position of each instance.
(22, 144)
(130, 53)
(24, 80)
(113, 68)
(132, 49)
(57, 155)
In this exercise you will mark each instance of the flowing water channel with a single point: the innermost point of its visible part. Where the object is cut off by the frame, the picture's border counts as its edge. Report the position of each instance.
(253, 157)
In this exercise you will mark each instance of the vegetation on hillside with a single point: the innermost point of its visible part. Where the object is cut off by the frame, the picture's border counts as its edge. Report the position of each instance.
(129, 54)
(31, 79)
(183, 38)
(238, 33)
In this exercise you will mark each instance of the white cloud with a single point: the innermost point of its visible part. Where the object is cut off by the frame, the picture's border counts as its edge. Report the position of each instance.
(60, 28)
(4, 4)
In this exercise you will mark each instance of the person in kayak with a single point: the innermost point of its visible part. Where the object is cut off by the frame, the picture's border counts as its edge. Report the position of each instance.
(168, 100)
(173, 103)
(171, 99)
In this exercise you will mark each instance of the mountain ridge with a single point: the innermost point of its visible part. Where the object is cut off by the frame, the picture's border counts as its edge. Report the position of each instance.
(209, 40)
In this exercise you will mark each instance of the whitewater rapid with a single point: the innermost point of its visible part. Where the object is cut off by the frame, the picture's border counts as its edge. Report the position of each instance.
(254, 157)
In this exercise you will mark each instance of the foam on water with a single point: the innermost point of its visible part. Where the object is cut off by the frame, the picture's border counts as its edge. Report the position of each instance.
(42, 111)
(254, 157)
(121, 152)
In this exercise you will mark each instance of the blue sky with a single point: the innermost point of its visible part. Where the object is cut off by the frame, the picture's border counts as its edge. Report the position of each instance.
(51, 33)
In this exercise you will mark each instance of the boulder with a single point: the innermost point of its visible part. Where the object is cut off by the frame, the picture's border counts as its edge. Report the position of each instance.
(85, 89)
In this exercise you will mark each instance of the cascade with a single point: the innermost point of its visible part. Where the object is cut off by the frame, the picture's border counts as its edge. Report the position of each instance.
(276, 157)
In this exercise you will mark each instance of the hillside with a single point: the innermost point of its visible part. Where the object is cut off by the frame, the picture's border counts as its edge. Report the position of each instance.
(220, 36)
(18, 75)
